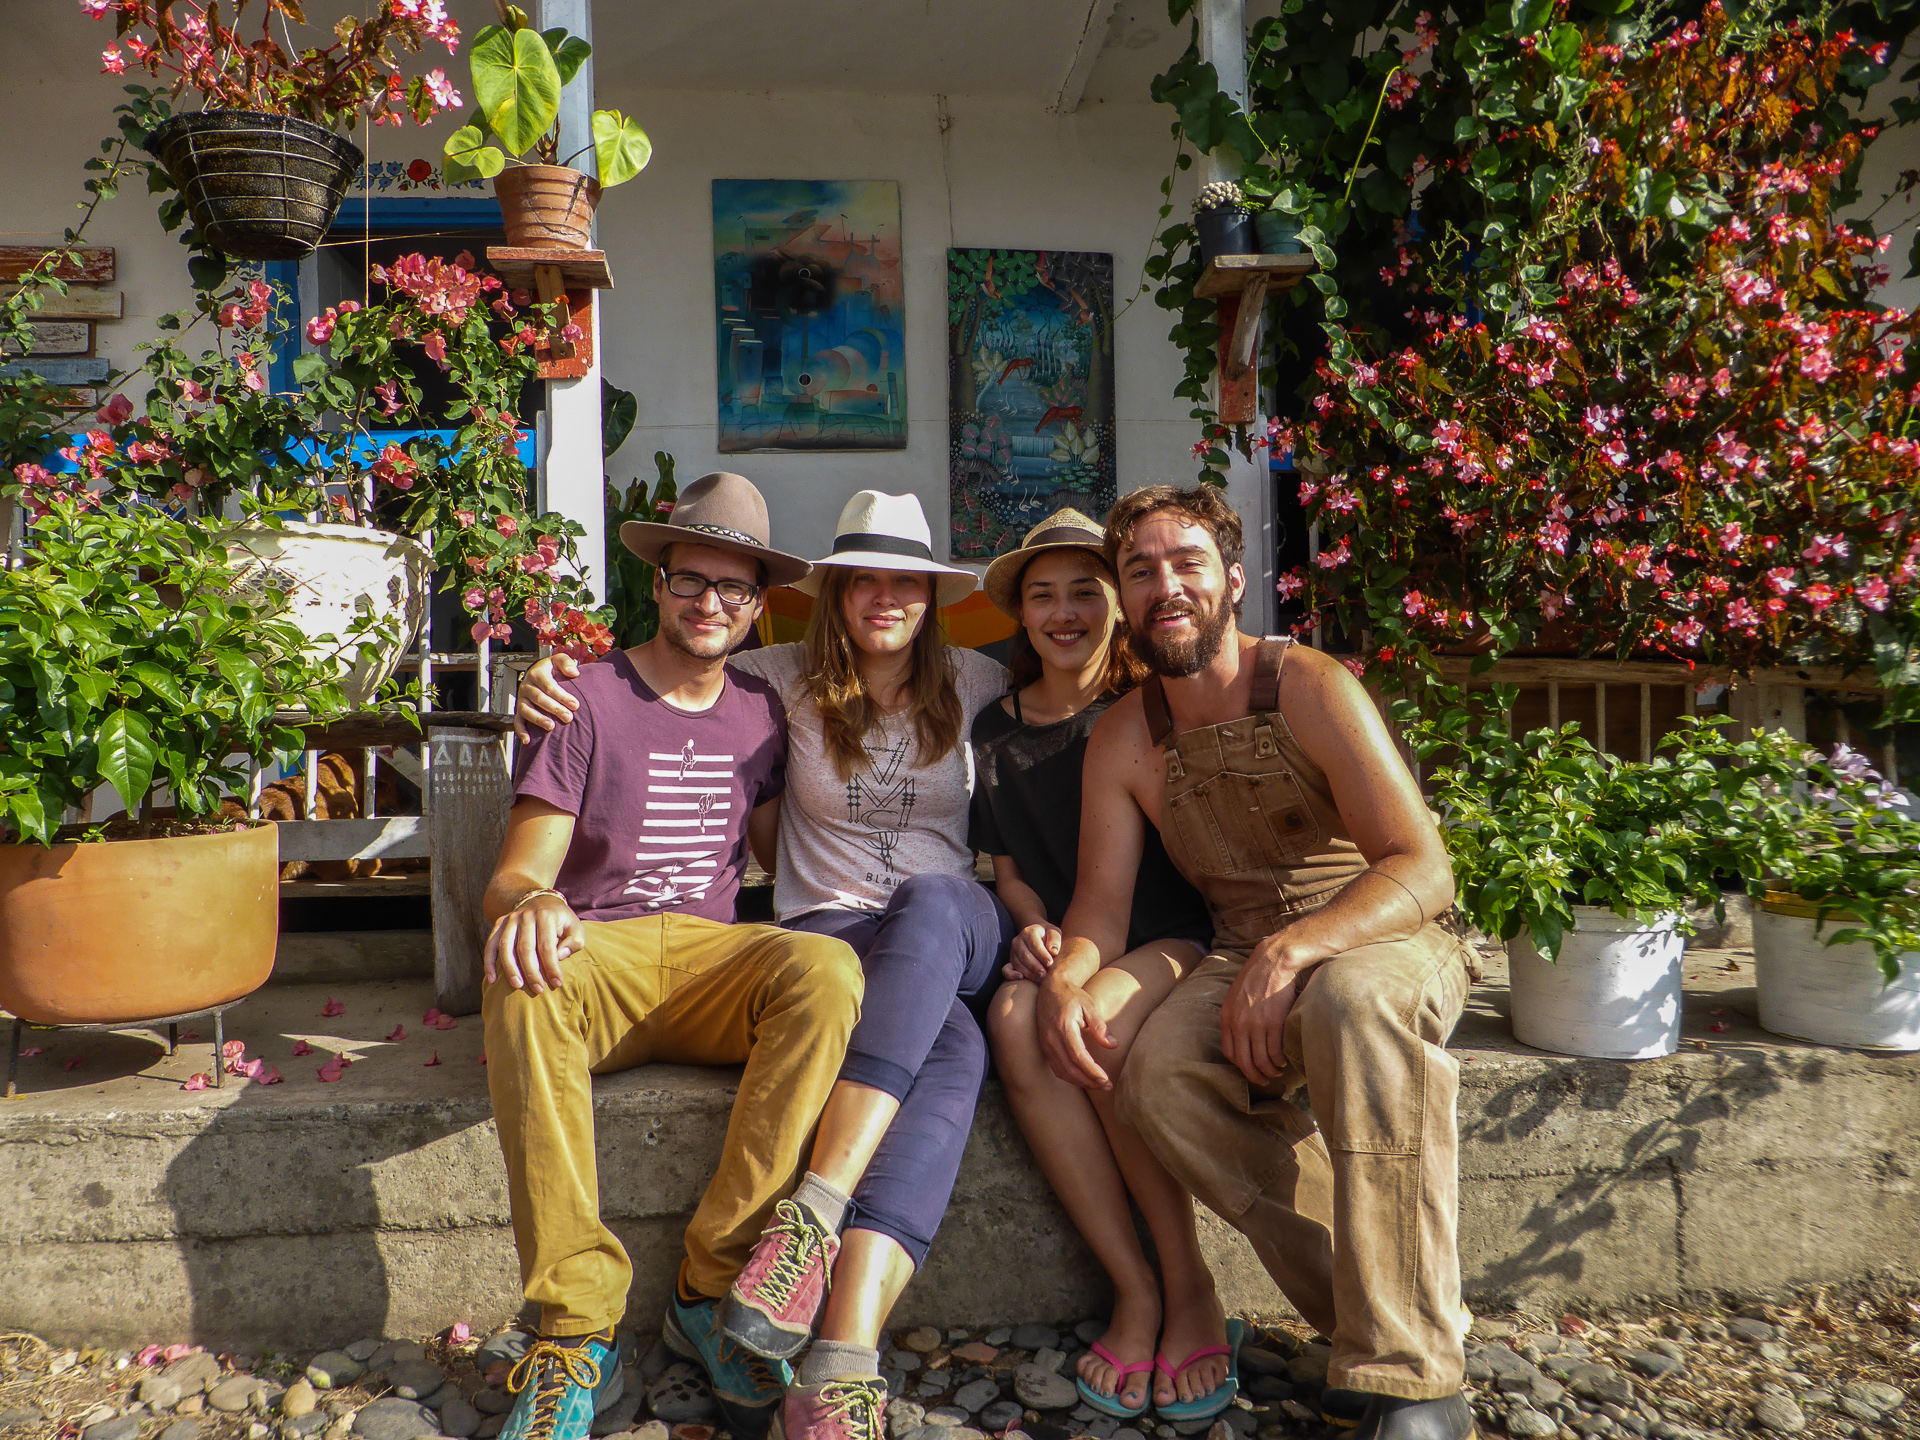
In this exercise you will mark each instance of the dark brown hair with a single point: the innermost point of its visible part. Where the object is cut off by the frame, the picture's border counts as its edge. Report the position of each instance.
(848, 711)
(1124, 669)
(1203, 505)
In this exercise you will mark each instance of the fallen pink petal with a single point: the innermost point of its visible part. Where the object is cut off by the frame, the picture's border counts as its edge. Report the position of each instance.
(301, 1047)
(177, 1352)
(444, 1022)
(76, 1062)
(399, 1033)
(233, 1049)
(33, 1050)
(148, 1355)
(433, 1014)
(483, 1059)
(434, 1061)
(332, 1008)
(460, 1332)
(332, 1070)
(193, 1082)
(268, 1076)
(190, 1035)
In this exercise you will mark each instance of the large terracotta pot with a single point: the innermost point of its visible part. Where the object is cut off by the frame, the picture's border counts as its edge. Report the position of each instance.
(546, 205)
(137, 929)
(332, 574)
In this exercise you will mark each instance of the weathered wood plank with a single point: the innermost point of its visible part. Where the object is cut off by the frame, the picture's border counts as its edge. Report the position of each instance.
(396, 837)
(59, 372)
(79, 303)
(470, 791)
(1239, 394)
(58, 337)
(1230, 274)
(90, 263)
(1538, 670)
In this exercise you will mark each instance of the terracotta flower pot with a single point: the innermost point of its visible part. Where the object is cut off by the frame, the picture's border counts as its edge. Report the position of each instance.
(546, 205)
(137, 929)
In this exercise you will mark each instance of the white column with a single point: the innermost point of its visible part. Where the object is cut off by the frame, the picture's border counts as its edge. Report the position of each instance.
(572, 469)
(1223, 44)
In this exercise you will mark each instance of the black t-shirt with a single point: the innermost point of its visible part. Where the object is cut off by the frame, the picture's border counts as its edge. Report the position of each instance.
(1026, 805)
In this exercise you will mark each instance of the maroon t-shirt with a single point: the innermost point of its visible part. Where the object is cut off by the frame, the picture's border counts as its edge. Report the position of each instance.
(660, 796)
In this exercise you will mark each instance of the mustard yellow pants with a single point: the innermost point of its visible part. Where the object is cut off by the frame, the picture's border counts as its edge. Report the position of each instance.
(679, 990)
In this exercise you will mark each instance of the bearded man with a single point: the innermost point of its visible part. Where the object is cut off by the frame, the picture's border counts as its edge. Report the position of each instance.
(1281, 796)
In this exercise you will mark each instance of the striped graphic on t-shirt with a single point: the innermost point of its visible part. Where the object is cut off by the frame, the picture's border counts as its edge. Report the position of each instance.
(685, 835)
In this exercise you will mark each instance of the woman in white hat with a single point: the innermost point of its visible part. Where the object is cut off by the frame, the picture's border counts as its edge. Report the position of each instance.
(873, 849)
(1070, 662)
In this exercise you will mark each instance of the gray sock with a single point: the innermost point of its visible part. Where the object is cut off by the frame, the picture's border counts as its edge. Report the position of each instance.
(828, 1204)
(838, 1360)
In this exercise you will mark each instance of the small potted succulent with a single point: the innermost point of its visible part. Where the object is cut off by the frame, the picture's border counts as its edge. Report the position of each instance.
(518, 73)
(1223, 221)
(263, 168)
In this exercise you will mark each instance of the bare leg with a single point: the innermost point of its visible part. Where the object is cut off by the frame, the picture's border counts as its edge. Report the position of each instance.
(867, 1279)
(852, 1125)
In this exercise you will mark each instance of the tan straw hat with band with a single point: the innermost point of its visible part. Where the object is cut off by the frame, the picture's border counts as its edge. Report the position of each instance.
(722, 510)
(888, 532)
(1065, 529)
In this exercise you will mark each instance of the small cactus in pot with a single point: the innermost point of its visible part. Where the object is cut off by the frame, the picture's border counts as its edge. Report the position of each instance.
(1219, 195)
(1222, 221)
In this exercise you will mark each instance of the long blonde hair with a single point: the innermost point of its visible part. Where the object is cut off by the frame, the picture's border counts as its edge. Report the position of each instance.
(848, 710)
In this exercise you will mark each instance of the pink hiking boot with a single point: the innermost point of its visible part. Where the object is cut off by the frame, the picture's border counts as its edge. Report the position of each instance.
(772, 1304)
(837, 1410)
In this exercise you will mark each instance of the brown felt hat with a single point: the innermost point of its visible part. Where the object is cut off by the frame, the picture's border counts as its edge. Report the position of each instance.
(722, 510)
(1065, 529)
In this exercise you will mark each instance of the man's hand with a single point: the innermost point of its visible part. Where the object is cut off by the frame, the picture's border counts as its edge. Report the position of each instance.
(1034, 950)
(1253, 1017)
(528, 944)
(1069, 1018)
(540, 702)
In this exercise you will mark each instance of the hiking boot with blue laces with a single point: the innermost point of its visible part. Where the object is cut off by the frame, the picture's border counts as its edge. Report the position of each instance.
(748, 1387)
(560, 1384)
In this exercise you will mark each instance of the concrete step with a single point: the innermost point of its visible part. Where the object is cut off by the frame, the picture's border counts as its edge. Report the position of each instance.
(306, 1214)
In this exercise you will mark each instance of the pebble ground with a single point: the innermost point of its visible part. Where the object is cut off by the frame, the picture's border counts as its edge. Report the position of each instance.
(1828, 1364)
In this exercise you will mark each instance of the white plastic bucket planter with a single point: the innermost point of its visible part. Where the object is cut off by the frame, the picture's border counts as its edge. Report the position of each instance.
(333, 574)
(1832, 995)
(1614, 993)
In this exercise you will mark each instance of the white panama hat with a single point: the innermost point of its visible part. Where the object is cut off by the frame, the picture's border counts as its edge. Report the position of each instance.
(877, 531)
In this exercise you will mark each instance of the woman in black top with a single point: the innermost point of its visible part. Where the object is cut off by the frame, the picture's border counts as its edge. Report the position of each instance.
(1070, 662)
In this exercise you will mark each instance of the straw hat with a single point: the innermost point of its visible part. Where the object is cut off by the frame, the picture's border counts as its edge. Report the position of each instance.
(722, 510)
(888, 532)
(1065, 529)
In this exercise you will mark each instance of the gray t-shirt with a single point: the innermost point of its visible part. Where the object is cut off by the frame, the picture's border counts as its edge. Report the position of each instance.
(845, 844)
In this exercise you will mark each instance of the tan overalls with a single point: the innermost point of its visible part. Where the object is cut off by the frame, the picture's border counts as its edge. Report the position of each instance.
(1355, 1220)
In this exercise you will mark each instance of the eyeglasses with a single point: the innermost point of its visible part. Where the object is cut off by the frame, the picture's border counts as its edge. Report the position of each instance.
(689, 585)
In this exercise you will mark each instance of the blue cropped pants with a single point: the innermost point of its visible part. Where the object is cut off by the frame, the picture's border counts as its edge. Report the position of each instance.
(933, 953)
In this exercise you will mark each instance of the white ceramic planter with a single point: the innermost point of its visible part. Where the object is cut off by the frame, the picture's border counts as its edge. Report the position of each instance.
(1613, 994)
(1830, 994)
(333, 574)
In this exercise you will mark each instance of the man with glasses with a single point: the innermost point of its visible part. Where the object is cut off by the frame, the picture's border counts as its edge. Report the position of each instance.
(613, 945)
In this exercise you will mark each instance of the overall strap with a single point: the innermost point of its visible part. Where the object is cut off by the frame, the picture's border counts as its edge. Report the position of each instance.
(1153, 697)
(1269, 658)
(1018, 718)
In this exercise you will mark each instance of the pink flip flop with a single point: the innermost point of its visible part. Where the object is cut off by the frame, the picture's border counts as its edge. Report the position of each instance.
(1206, 1406)
(1110, 1404)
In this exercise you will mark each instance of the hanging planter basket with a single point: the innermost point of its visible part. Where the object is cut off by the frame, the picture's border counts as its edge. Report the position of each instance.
(259, 187)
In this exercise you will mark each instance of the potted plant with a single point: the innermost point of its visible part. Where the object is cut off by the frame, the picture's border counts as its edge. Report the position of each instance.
(1585, 864)
(1834, 867)
(518, 73)
(263, 167)
(128, 659)
(1223, 221)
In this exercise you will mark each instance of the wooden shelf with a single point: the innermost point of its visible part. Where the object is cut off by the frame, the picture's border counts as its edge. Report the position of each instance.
(1230, 274)
(384, 727)
(579, 269)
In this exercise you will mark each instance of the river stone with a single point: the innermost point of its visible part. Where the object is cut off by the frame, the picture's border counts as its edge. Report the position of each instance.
(490, 1401)
(1523, 1420)
(19, 1415)
(905, 1361)
(680, 1395)
(397, 1352)
(232, 1396)
(1651, 1362)
(1752, 1331)
(1671, 1348)
(1049, 1360)
(298, 1399)
(1035, 1337)
(1601, 1382)
(1000, 1414)
(160, 1393)
(1860, 1410)
(976, 1395)
(1088, 1331)
(415, 1379)
(124, 1427)
(618, 1416)
(651, 1430)
(392, 1418)
(1776, 1412)
(1039, 1389)
(508, 1345)
(182, 1430)
(333, 1369)
(362, 1350)
(494, 1424)
(1505, 1364)
(1307, 1368)
(904, 1417)
(997, 1336)
(948, 1415)
(1546, 1391)
(303, 1426)
(458, 1417)
(1883, 1398)
(922, 1340)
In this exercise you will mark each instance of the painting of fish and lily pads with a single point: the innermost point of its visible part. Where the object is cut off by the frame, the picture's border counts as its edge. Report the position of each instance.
(811, 318)
(1030, 391)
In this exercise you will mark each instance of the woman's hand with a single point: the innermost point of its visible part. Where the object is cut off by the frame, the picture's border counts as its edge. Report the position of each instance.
(1069, 1018)
(540, 702)
(1034, 950)
(528, 944)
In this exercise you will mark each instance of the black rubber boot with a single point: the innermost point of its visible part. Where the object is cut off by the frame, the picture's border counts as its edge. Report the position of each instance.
(1391, 1418)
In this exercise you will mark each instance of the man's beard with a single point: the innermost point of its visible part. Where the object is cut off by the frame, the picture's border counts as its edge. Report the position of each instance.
(1177, 659)
(684, 643)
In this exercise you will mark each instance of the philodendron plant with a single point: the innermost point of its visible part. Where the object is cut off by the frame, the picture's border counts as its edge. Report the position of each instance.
(518, 73)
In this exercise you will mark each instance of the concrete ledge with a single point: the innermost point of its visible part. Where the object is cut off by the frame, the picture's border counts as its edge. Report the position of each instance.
(305, 1214)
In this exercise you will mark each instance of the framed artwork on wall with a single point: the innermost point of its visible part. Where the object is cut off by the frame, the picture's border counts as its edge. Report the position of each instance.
(1029, 391)
(810, 315)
